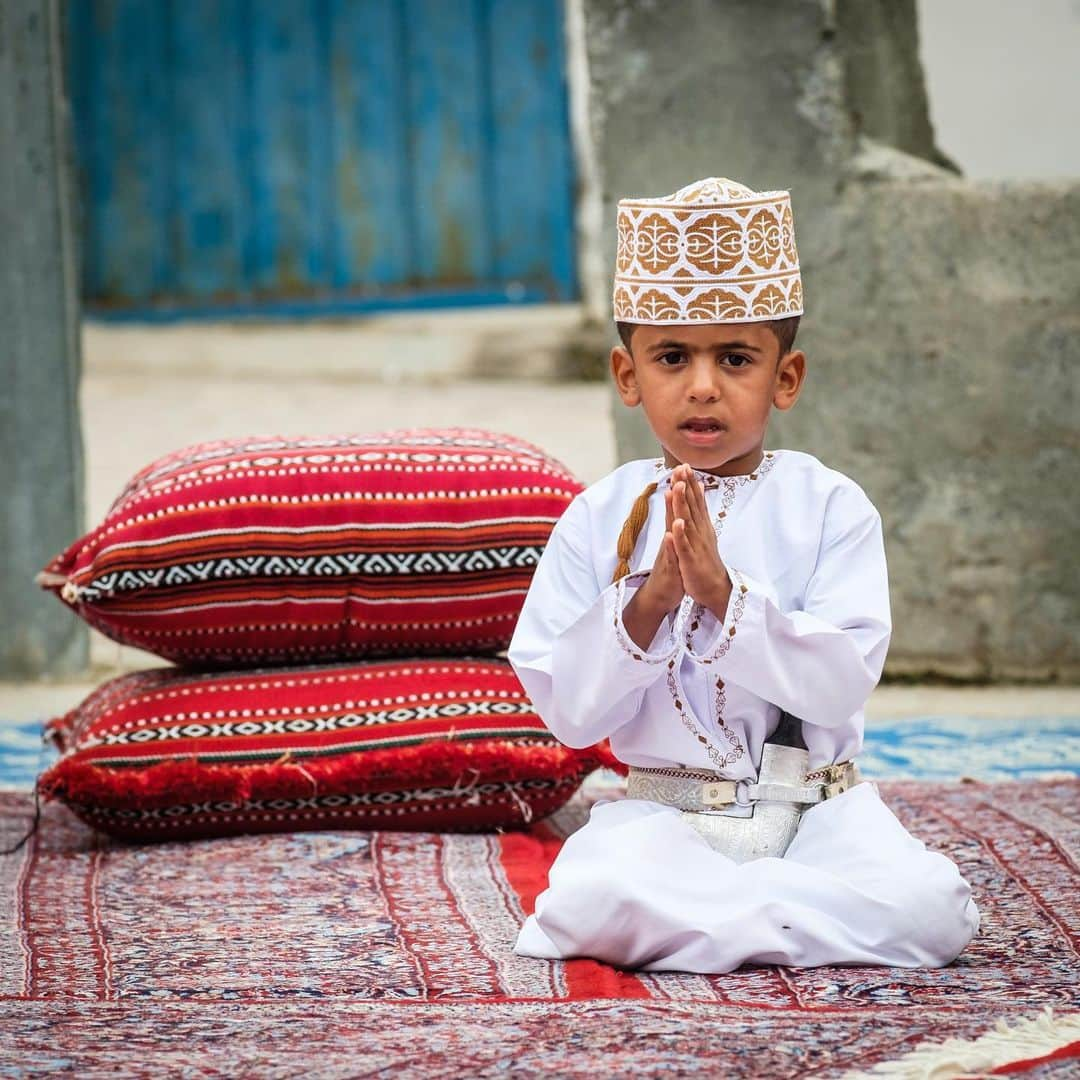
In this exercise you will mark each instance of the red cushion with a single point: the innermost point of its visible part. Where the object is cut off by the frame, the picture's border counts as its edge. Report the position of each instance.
(418, 542)
(451, 745)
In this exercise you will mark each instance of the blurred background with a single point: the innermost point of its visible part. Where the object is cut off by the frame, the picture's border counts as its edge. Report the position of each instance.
(305, 216)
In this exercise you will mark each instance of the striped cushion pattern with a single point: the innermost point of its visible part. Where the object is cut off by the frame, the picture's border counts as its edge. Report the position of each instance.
(440, 745)
(296, 550)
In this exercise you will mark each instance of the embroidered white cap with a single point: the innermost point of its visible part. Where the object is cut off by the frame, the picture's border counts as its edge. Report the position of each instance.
(713, 252)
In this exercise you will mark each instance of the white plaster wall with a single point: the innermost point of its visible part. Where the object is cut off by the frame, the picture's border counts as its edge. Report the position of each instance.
(1003, 78)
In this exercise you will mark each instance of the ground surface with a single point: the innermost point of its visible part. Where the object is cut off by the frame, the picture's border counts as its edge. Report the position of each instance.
(390, 954)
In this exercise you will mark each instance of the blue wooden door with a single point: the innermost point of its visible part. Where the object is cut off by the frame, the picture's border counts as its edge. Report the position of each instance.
(293, 156)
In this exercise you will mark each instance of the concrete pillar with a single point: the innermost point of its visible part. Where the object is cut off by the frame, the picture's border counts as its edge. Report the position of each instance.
(41, 479)
(925, 294)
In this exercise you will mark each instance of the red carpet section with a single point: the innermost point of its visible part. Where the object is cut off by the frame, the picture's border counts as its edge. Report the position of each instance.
(365, 951)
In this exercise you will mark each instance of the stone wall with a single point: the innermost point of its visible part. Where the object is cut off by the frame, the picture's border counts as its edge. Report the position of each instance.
(41, 480)
(943, 317)
(944, 345)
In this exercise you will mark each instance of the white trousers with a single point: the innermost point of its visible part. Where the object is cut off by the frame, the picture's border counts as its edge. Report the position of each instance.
(637, 887)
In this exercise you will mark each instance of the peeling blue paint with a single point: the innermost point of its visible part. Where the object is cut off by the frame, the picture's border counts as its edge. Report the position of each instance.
(320, 155)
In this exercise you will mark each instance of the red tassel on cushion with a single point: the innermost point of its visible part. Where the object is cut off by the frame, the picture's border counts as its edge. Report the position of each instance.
(414, 744)
(188, 779)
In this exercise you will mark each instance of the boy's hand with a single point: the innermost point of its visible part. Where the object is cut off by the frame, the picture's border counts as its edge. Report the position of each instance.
(663, 589)
(703, 573)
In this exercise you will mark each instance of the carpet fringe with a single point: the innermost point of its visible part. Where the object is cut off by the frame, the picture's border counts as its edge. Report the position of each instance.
(968, 1059)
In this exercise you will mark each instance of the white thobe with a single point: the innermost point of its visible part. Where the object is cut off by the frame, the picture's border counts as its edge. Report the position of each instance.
(806, 631)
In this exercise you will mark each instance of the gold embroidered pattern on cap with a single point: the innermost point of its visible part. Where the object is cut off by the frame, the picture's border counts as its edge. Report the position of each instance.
(715, 251)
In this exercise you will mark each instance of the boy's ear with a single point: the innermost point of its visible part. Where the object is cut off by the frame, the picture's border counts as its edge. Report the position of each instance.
(790, 376)
(622, 370)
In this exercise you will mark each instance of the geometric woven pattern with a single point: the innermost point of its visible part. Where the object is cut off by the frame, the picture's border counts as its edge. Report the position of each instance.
(375, 563)
(946, 748)
(713, 252)
(299, 549)
(367, 951)
(419, 744)
(932, 748)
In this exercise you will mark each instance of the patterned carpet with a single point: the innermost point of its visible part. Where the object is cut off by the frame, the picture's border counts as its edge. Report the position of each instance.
(372, 954)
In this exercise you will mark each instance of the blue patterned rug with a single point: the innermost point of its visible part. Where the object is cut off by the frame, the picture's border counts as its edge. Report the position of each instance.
(925, 748)
(953, 747)
(22, 753)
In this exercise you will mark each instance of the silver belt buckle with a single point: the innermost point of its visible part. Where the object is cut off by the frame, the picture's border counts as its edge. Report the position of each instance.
(836, 779)
(720, 793)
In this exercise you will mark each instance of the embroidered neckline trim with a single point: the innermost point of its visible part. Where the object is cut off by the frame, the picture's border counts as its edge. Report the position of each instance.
(710, 481)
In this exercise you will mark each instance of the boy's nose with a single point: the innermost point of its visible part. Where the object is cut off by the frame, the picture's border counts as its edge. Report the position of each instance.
(703, 385)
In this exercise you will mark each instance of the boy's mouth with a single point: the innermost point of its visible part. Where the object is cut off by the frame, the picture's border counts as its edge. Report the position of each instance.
(701, 423)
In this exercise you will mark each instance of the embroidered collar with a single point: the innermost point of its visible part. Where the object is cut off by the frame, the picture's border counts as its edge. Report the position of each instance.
(710, 481)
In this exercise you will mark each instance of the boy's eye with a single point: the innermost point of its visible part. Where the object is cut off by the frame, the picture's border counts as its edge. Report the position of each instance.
(735, 360)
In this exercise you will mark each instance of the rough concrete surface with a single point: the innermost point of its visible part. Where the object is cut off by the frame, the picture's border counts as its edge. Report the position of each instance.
(41, 479)
(534, 341)
(883, 77)
(944, 347)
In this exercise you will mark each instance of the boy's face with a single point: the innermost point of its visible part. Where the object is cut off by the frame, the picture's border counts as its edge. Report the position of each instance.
(707, 389)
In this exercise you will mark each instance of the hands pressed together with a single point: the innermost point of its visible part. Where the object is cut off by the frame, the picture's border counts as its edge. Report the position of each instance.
(688, 562)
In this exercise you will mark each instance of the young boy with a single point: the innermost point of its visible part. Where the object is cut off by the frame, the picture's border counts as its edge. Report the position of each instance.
(745, 589)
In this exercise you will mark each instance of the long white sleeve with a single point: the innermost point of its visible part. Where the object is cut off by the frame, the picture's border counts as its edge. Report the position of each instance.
(583, 673)
(821, 659)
